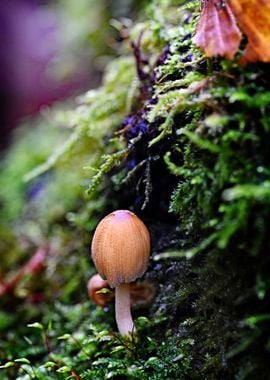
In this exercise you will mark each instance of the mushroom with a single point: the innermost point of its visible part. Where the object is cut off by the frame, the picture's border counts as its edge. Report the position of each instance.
(94, 286)
(120, 251)
(101, 294)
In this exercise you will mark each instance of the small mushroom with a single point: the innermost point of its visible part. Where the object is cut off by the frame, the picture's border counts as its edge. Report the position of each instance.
(94, 286)
(120, 251)
(101, 294)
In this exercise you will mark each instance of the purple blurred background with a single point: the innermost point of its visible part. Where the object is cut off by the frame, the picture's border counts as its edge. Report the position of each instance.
(29, 49)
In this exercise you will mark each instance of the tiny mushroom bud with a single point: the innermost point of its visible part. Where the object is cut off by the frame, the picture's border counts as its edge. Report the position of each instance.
(94, 286)
(101, 294)
(120, 251)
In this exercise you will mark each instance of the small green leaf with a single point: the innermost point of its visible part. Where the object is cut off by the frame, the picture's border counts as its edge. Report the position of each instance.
(152, 359)
(63, 369)
(7, 365)
(117, 349)
(22, 360)
(49, 328)
(103, 291)
(36, 325)
(104, 336)
(65, 336)
(49, 364)
(143, 320)
(253, 320)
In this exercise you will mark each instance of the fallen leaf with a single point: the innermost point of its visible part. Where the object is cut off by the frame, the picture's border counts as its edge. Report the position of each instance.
(253, 17)
(217, 32)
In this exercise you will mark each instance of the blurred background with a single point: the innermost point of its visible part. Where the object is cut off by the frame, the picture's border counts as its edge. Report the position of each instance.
(53, 50)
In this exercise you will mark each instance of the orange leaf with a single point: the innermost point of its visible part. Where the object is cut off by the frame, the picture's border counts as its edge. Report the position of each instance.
(217, 32)
(253, 17)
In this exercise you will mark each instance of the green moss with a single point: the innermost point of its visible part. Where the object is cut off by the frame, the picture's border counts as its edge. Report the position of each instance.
(186, 146)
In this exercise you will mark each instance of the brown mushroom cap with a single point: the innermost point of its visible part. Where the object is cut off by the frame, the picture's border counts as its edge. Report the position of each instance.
(95, 284)
(141, 293)
(121, 247)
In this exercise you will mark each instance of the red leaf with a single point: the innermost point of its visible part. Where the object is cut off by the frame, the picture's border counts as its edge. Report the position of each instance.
(217, 32)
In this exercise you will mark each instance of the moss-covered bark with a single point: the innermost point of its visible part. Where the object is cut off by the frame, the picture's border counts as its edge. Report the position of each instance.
(185, 144)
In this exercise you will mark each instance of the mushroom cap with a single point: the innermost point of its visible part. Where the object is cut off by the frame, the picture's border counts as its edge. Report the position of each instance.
(121, 247)
(95, 284)
(140, 292)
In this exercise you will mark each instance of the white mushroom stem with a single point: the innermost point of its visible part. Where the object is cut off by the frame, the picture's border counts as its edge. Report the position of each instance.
(122, 310)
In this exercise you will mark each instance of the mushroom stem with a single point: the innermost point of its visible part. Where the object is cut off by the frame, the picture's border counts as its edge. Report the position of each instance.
(122, 310)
